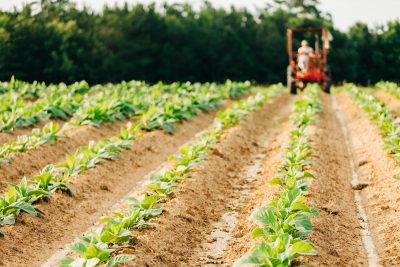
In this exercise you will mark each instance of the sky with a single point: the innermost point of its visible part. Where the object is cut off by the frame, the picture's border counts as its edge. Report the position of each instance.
(344, 12)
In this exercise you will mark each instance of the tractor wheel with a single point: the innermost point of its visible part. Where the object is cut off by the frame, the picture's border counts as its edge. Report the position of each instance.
(291, 84)
(328, 82)
(327, 86)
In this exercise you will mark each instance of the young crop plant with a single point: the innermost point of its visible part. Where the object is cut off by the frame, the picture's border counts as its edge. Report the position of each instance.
(284, 221)
(158, 110)
(61, 103)
(58, 176)
(22, 90)
(50, 133)
(108, 240)
(377, 111)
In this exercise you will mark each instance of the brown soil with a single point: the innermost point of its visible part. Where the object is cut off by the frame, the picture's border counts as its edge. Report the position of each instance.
(221, 187)
(204, 198)
(381, 195)
(33, 239)
(390, 101)
(260, 192)
(31, 162)
(336, 232)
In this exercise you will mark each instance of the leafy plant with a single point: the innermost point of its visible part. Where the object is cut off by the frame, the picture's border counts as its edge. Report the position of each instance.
(50, 133)
(117, 230)
(285, 220)
(377, 111)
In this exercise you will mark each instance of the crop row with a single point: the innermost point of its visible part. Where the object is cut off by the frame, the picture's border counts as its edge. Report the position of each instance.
(20, 197)
(50, 133)
(105, 244)
(377, 111)
(285, 220)
(23, 90)
(61, 103)
(132, 99)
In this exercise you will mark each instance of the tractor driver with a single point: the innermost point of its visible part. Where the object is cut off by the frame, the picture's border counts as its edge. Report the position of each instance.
(303, 54)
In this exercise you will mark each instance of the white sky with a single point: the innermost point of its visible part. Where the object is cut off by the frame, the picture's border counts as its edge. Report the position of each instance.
(345, 12)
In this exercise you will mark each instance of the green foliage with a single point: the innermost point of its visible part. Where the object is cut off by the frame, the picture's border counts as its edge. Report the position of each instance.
(156, 107)
(52, 177)
(48, 134)
(377, 111)
(285, 220)
(108, 239)
(57, 102)
(176, 42)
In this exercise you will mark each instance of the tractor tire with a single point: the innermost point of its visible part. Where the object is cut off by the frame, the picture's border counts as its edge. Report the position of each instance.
(293, 89)
(291, 84)
(328, 82)
(327, 86)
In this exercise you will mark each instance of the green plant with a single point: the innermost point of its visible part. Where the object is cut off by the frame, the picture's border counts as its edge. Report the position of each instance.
(285, 220)
(116, 231)
(59, 176)
(50, 133)
(377, 111)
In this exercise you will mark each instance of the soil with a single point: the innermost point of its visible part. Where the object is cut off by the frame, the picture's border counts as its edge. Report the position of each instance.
(33, 239)
(336, 232)
(188, 218)
(377, 169)
(206, 223)
(260, 192)
(31, 162)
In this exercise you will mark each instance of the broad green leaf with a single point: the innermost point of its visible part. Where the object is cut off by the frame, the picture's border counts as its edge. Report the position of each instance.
(25, 207)
(275, 181)
(78, 248)
(302, 248)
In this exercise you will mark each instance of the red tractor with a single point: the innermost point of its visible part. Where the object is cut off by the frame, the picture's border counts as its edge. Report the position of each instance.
(316, 68)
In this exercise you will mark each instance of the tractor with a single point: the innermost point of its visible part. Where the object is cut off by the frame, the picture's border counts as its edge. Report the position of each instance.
(316, 70)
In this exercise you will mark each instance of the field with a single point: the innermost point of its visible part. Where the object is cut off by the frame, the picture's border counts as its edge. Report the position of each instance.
(183, 174)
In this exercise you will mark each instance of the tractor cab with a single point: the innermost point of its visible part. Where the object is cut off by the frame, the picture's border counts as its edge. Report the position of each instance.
(316, 68)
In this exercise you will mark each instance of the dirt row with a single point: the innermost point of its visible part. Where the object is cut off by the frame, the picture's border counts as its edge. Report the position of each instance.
(33, 239)
(207, 222)
(31, 162)
(377, 170)
(210, 194)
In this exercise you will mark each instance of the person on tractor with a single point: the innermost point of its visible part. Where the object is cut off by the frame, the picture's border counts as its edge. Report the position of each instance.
(304, 53)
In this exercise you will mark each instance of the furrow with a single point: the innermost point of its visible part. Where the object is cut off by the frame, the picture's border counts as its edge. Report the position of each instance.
(230, 237)
(336, 233)
(34, 239)
(31, 162)
(357, 184)
(206, 196)
(379, 189)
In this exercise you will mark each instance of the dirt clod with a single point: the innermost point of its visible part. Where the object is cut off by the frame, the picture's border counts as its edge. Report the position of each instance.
(359, 186)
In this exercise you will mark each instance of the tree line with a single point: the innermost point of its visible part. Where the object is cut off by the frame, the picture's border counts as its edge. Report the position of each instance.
(54, 41)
